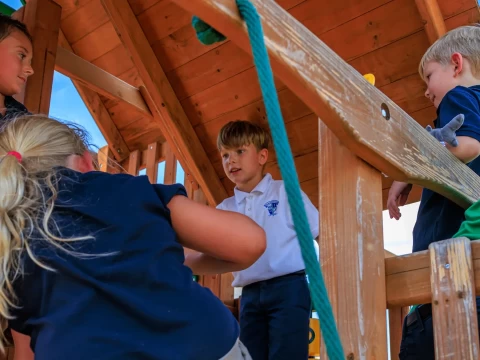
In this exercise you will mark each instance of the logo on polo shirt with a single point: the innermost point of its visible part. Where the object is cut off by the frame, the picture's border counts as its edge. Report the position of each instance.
(271, 207)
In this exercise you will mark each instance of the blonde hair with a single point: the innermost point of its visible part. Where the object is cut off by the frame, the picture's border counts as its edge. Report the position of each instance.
(241, 132)
(464, 40)
(28, 193)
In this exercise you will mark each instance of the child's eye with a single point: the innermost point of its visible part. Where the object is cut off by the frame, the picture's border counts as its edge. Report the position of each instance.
(224, 156)
(22, 55)
(240, 151)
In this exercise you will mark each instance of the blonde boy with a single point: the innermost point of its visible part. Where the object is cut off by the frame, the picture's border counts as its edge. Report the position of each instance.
(275, 306)
(451, 71)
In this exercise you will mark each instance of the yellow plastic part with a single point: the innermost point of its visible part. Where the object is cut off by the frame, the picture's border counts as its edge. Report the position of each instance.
(314, 339)
(370, 78)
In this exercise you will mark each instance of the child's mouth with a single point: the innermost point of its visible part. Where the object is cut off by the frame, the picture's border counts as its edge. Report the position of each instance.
(233, 171)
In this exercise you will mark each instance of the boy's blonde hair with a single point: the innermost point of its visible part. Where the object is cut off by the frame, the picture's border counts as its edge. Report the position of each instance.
(28, 190)
(241, 132)
(464, 40)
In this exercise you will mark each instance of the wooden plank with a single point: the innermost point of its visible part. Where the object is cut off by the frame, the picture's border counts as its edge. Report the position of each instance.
(226, 289)
(152, 162)
(97, 43)
(161, 99)
(170, 167)
(408, 277)
(352, 254)
(116, 61)
(70, 6)
(105, 160)
(396, 317)
(134, 163)
(140, 132)
(83, 21)
(99, 80)
(454, 307)
(213, 283)
(99, 113)
(346, 102)
(42, 18)
(432, 17)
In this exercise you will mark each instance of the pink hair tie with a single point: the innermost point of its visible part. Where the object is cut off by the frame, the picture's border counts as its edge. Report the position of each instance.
(16, 154)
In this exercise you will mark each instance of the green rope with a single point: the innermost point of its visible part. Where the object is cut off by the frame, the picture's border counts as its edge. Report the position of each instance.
(292, 186)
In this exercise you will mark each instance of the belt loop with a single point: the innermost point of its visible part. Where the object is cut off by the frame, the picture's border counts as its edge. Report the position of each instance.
(419, 319)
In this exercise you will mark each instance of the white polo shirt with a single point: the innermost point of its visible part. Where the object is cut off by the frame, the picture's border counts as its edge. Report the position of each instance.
(268, 206)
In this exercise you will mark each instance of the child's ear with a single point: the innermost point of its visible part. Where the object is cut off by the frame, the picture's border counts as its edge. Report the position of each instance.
(263, 156)
(457, 61)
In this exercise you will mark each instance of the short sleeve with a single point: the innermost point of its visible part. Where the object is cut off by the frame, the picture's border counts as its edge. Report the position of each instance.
(461, 100)
(312, 214)
(167, 192)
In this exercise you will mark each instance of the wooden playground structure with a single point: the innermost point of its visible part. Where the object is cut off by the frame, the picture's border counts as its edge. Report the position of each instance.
(158, 95)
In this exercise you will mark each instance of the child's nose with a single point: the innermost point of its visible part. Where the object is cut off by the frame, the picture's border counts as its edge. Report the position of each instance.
(28, 70)
(427, 94)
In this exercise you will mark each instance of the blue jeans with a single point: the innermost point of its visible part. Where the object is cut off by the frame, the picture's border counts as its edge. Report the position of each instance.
(417, 339)
(274, 318)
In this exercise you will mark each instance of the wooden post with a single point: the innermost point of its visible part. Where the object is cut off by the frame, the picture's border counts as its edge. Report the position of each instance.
(454, 307)
(42, 18)
(396, 316)
(152, 162)
(433, 19)
(170, 166)
(105, 160)
(134, 163)
(352, 254)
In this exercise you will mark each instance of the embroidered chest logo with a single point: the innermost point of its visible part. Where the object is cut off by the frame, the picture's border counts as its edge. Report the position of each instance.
(271, 207)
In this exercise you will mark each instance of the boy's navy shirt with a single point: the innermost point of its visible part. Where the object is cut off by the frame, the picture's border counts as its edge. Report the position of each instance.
(13, 108)
(439, 218)
(139, 302)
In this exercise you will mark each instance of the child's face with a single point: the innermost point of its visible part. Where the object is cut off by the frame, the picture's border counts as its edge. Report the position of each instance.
(15, 63)
(440, 78)
(244, 165)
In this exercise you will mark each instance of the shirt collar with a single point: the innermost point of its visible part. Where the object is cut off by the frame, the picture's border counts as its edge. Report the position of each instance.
(261, 187)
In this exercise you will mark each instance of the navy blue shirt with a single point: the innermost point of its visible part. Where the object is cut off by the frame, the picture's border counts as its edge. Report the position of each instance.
(140, 302)
(13, 107)
(439, 218)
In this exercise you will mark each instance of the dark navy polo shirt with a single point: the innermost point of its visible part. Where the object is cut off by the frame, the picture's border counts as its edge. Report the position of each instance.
(139, 302)
(439, 218)
(13, 108)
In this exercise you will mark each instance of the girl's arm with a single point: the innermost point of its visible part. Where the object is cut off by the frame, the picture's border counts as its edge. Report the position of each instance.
(224, 241)
(22, 346)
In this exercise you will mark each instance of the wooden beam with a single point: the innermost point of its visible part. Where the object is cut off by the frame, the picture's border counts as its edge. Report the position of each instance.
(454, 308)
(134, 162)
(407, 277)
(396, 316)
(99, 112)
(347, 103)
(105, 160)
(433, 19)
(42, 18)
(165, 105)
(152, 162)
(352, 254)
(99, 80)
(170, 166)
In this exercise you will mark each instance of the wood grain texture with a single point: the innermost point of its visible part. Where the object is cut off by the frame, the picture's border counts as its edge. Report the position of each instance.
(454, 307)
(351, 251)
(161, 98)
(170, 166)
(396, 317)
(346, 102)
(99, 80)
(42, 18)
(432, 17)
(134, 163)
(408, 277)
(152, 162)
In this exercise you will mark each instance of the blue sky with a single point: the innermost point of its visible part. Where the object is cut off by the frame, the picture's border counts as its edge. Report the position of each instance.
(66, 104)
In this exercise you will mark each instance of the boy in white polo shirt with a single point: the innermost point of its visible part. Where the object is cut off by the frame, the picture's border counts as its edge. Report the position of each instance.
(275, 306)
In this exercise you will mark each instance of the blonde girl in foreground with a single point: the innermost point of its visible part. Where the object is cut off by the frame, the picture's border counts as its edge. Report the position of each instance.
(93, 265)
